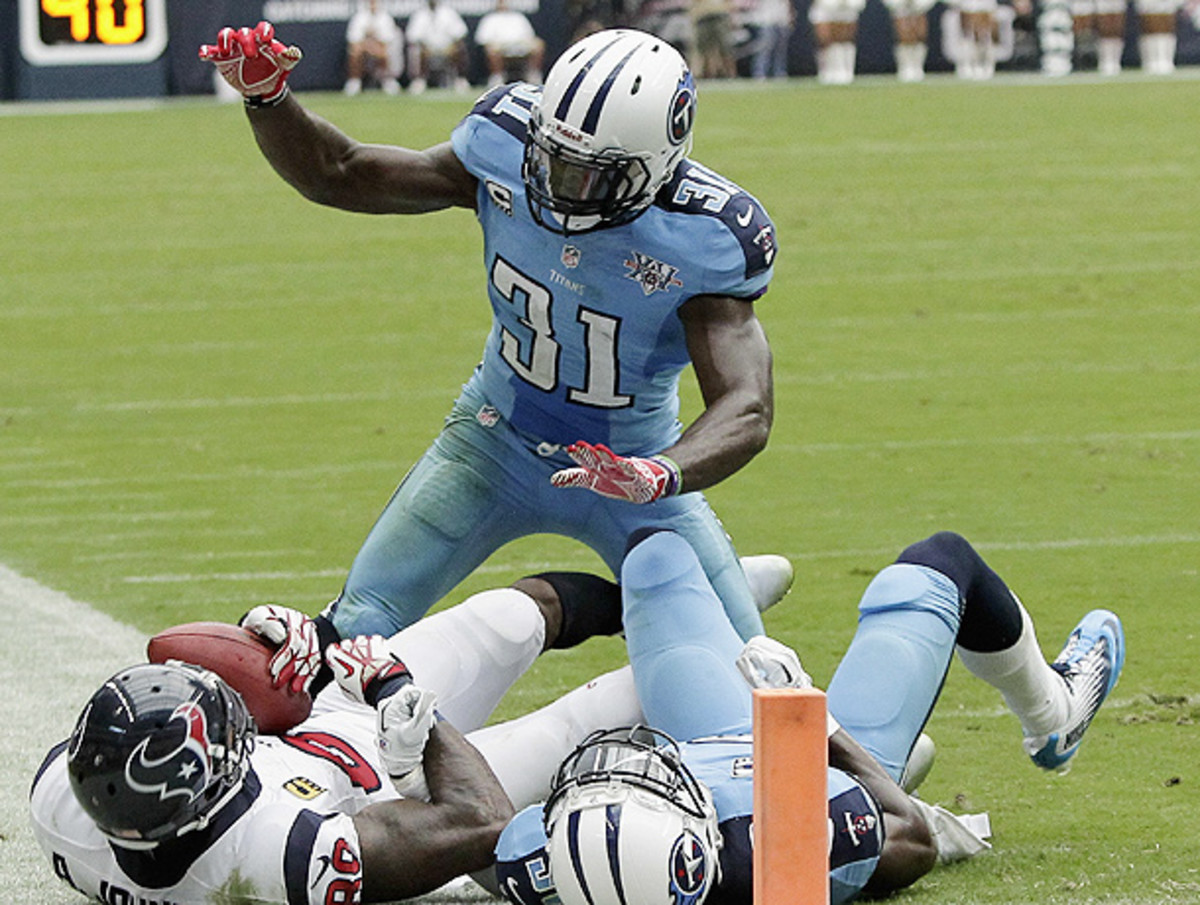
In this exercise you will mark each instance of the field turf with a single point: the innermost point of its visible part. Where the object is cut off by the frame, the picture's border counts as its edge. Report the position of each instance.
(984, 319)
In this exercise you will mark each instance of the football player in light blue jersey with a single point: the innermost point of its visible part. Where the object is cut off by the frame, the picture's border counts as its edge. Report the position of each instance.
(612, 263)
(636, 816)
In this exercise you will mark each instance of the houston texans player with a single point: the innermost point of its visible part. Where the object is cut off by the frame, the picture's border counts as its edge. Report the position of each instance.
(612, 262)
(165, 793)
(635, 815)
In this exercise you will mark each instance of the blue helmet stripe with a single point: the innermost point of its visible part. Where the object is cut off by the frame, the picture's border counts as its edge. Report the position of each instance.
(576, 862)
(592, 118)
(564, 104)
(612, 832)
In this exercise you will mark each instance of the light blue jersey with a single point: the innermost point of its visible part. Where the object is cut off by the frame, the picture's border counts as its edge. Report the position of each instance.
(586, 344)
(586, 341)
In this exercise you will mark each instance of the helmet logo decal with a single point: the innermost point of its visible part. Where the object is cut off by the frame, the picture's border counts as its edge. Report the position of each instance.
(689, 869)
(182, 771)
(683, 111)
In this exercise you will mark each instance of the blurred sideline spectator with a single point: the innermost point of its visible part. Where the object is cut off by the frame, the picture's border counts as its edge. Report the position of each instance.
(511, 46)
(835, 26)
(976, 58)
(773, 21)
(437, 47)
(1157, 41)
(911, 26)
(374, 47)
(1101, 22)
(671, 20)
(712, 29)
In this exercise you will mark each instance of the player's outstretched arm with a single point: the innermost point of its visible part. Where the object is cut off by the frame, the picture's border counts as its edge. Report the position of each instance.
(732, 361)
(909, 851)
(411, 847)
(316, 158)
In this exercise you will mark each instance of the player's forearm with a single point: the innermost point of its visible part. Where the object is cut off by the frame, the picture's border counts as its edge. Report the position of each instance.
(722, 440)
(327, 166)
(459, 777)
(302, 147)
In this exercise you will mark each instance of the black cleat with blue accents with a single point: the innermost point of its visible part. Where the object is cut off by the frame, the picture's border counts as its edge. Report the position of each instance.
(1090, 664)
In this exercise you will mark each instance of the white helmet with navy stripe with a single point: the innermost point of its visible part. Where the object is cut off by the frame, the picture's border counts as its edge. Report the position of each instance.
(613, 122)
(628, 824)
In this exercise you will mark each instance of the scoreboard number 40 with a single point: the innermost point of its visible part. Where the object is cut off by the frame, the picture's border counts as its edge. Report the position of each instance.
(92, 32)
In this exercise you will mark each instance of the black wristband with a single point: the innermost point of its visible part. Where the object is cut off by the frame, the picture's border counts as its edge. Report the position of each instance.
(381, 689)
(258, 101)
(327, 634)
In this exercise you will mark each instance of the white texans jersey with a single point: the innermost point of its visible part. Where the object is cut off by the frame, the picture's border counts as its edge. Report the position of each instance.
(286, 837)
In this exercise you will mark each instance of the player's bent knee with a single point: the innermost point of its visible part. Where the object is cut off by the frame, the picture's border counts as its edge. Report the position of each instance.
(545, 595)
(510, 614)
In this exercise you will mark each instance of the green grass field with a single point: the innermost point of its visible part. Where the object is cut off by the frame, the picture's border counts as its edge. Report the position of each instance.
(985, 319)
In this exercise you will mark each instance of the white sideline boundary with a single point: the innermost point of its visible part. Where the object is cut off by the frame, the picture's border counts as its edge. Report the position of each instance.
(54, 652)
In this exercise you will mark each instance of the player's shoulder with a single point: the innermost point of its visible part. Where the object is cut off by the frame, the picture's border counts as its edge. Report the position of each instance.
(507, 107)
(490, 140)
(856, 825)
(697, 191)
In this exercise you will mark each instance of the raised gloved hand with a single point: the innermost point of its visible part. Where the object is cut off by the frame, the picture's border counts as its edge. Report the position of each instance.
(253, 61)
(633, 479)
(766, 663)
(370, 673)
(299, 656)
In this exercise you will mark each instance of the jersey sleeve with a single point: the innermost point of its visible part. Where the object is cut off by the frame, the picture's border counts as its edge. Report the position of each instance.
(321, 862)
(856, 836)
(742, 248)
(494, 129)
(522, 865)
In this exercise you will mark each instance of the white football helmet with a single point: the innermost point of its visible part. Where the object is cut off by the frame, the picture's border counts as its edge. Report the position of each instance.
(628, 822)
(613, 122)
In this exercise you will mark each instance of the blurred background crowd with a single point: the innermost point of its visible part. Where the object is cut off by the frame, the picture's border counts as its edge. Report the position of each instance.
(147, 47)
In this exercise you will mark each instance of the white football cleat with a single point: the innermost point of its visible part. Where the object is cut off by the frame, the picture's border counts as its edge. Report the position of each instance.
(770, 577)
(1090, 664)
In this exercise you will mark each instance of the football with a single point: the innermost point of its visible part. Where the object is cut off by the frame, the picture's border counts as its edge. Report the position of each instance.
(243, 660)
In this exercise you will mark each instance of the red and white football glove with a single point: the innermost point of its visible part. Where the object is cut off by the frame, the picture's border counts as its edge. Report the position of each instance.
(299, 657)
(371, 674)
(631, 478)
(253, 61)
(366, 669)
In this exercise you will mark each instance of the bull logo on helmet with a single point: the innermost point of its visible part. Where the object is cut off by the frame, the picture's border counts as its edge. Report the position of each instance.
(689, 870)
(185, 769)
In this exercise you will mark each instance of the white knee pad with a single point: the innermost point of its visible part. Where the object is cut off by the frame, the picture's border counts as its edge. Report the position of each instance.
(471, 654)
(525, 753)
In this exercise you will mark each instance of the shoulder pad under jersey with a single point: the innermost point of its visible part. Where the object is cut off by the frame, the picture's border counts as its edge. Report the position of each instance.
(695, 189)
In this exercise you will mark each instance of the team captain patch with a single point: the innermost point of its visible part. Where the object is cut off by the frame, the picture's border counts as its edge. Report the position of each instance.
(303, 788)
